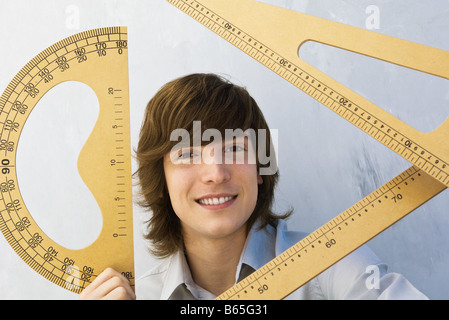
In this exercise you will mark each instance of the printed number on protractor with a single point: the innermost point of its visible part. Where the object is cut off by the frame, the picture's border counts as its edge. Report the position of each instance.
(273, 36)
(98, 58)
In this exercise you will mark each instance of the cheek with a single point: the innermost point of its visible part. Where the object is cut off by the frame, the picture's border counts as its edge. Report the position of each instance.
(179, 183)
(251, 179)
(175, 185)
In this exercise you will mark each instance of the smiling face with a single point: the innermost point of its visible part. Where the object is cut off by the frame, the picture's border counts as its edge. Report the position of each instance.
(215, 197)
(193, 190)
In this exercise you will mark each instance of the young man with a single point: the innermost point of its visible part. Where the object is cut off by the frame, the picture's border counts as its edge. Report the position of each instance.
(204, 175)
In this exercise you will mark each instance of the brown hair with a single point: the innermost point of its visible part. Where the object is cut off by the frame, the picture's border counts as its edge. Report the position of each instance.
(218, 104)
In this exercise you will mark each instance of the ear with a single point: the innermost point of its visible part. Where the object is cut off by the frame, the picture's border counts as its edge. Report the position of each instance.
(259, 179)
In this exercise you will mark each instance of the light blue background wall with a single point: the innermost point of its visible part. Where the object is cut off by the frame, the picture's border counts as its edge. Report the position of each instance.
(326, 164)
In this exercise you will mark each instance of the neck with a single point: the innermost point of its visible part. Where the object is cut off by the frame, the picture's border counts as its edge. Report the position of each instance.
(213, 262)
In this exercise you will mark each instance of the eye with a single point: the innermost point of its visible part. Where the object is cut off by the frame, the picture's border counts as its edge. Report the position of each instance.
(188, 154)
(235, 148)
(184, 155)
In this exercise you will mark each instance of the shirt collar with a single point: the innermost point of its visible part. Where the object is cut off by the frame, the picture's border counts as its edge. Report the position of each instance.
(178, 283)
(175, 275)
(258, 250)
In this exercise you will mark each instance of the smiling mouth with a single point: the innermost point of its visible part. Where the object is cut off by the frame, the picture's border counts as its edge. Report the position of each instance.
(215, 200)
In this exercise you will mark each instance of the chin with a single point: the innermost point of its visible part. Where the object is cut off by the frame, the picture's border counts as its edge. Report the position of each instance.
(222, 229)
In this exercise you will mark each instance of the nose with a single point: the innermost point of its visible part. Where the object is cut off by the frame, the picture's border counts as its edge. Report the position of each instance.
(213, 169)
(216, 173)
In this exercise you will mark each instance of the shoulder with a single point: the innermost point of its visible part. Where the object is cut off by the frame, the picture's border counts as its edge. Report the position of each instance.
(286, 238)
(149, 285)
(359, 275)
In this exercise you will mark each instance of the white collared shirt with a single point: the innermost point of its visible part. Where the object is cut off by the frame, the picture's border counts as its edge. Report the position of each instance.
(347, 279)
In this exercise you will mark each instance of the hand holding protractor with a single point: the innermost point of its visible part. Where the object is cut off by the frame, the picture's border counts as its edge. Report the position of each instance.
(272, 36)
(98, 58)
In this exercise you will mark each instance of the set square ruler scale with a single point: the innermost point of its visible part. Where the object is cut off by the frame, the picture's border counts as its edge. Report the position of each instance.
(98, 58)
(272, 36)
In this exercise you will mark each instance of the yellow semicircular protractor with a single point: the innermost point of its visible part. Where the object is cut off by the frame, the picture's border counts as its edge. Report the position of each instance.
(98, 58)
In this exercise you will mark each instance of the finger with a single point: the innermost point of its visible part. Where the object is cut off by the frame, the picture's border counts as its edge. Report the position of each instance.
(100, 279)
(113, 288)
(125, 284)
(119, 293)
(105, 289)
(105, 283)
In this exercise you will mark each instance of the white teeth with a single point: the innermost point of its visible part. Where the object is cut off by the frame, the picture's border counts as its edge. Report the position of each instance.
(215, 201)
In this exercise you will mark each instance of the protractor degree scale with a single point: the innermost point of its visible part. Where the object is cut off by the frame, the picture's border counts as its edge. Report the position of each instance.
(98, 58)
